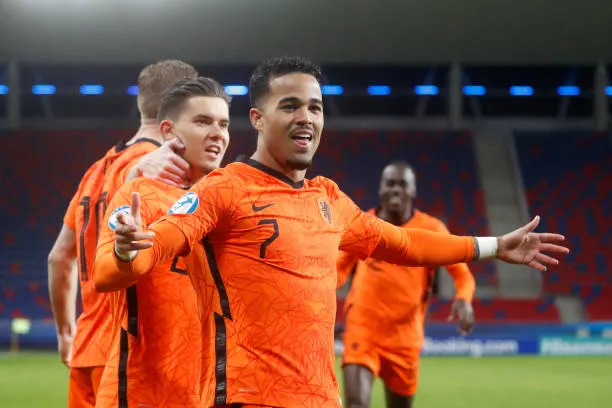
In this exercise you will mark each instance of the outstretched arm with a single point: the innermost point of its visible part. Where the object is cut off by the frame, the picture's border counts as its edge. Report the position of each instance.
(419, 247)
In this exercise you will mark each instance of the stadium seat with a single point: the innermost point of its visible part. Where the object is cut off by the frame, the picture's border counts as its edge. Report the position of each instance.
(502, 310)
(568, 180)
(45, 168)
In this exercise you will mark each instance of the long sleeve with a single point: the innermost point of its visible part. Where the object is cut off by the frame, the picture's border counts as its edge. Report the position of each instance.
(464, 282)
(192, 217)
(465, 285)
(111, 273)
(345, 263)
(368, 236)
(416, 247)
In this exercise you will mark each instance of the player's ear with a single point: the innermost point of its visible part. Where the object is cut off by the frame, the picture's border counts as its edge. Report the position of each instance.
(256, 117)
(165, 127)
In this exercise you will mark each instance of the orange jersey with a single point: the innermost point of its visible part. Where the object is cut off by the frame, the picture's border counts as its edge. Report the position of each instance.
(272, 245)
(156, 352)
(124, 162)
(392, 299)
(85, 212)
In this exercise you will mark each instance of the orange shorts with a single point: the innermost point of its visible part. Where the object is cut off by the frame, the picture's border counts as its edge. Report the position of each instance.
(242, 406)
(398, 368)
(83, 386)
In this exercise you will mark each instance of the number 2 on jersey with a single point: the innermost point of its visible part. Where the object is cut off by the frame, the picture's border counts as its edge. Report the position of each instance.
(264, 245)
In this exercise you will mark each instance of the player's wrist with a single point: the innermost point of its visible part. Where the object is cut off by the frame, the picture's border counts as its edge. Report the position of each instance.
(485, 248)
(63, 332)
(125, 257)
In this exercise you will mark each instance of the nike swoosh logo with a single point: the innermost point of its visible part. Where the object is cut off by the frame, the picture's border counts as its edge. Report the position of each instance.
(263, 207)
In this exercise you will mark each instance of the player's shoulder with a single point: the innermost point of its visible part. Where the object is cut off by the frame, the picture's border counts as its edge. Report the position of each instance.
(138, 145)
(124, 153)
(138, 184)
(429, 221)
(330, 187)
(91, 179)
(92, 170)
(230, 176)
(151, 189)
(141, 146)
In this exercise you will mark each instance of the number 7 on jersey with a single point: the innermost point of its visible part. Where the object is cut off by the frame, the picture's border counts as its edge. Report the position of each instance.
(264, 245)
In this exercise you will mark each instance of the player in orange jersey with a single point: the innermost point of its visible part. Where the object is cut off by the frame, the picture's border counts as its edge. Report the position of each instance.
(155, 357)
(387, 304)
(78, 238)
(272, 239)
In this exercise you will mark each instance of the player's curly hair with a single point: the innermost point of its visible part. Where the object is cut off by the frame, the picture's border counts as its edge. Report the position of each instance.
(259, 84)
(178, 93)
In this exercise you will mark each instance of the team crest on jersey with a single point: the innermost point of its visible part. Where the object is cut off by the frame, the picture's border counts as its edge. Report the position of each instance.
(325, 210)
(187, 204)
(112, 220)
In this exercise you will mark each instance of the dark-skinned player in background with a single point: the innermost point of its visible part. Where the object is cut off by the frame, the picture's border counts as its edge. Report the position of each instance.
(387, 304)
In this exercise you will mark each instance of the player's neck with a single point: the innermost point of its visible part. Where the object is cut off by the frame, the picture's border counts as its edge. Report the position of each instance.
(396, 218)
(149, 129)
(196, 174)
(263, 157)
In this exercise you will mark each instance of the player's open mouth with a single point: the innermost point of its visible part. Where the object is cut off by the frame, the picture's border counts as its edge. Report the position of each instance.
(302, 138)
(213, 151)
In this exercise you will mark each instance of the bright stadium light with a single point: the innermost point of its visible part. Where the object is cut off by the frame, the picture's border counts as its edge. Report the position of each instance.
(132, 90)
(3, 89)
(378, 90)
(568, 91)
(609, 90)
(332, 90)
(43, 89)
(91, 90)
(236, 90)
(521, 90)
(426, 90)
(474, 90)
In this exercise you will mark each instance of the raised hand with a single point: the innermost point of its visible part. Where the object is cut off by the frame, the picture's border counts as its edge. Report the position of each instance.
(129, 237)
(523, 246)
(165, 164)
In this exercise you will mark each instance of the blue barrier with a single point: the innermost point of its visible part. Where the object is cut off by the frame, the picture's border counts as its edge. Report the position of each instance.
(41, 334)
(477, 346)
(513, 330)
(441, 339)
(572, 346)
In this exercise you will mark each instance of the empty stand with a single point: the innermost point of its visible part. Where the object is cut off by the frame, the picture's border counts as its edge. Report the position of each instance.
(568, 180)
(502, 310)
(41, 171)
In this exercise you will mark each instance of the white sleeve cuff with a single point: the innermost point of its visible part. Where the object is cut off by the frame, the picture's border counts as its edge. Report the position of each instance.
(129, 258)
(487, 247)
